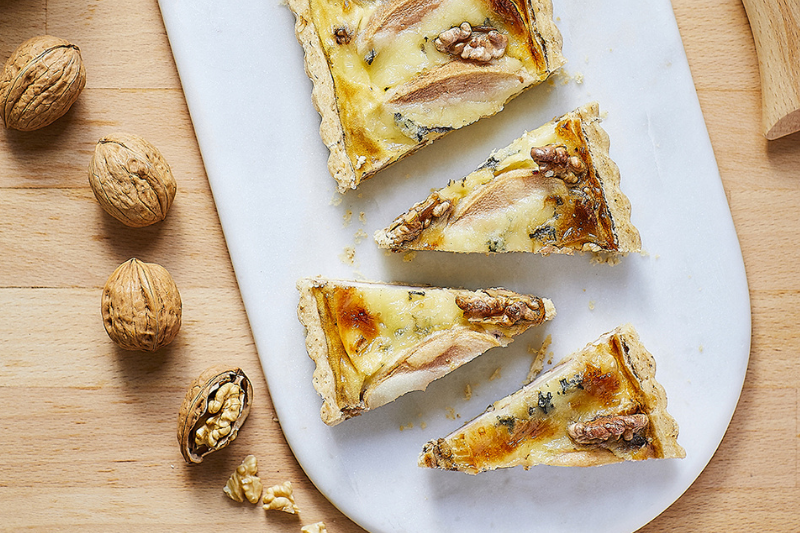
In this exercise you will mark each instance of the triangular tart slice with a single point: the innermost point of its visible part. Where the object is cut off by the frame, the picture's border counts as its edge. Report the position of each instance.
(553, 190)
(391, 76)
(373, 342)
(599, 405)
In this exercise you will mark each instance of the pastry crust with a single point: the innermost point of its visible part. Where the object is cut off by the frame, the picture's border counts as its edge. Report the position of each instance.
(608, 384)
(566, 200)
(355, 153)
(373, 342)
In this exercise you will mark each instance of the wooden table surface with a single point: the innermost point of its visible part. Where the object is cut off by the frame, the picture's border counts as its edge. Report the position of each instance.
(89, 435)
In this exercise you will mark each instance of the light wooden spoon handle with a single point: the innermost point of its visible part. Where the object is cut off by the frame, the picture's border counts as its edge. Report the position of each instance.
(776, 30)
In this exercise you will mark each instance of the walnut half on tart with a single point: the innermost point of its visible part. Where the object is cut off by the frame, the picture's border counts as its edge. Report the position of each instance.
(391, 76)
(598, 406)
(373, 342)
(553, 190)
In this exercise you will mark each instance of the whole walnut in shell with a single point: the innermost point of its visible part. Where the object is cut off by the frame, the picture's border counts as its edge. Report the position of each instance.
(214, 408)
(40, 82)
(131, 180)
(141, 306)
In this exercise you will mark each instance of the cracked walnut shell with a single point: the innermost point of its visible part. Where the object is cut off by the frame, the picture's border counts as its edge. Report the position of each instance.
(131, 180)
(214, 408)
(141, 306)
(40, 82)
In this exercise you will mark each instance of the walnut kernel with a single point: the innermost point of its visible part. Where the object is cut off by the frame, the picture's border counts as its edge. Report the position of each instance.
(607, 428)
(244, 483)
(131, 180)
(500, 306)
(40, 82)
(280, 498)
(555, 161)
(214, 409)
(481, 43)
(141, 306)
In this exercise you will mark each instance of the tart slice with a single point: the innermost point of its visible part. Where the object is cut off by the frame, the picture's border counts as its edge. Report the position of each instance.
(391, 76)
(553, 190)
(373, 342)
(598, 406)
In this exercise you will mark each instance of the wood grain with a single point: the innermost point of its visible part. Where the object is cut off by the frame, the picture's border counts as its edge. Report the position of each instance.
(89, 432)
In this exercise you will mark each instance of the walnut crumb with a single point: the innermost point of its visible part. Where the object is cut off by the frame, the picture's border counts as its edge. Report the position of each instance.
(280, 498)
(318, 527)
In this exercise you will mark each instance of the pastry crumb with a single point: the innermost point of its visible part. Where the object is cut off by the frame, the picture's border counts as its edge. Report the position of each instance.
(423, 425)
(451, 414)
(591, 305)
(605, 259)
(407, 258)
(538, 359)
(579, 78)
(336, 199)
(495, 375)
(348, 256)
(347, 217)
(409, 426)
(362, 217)
(360, 236)
(701, 348)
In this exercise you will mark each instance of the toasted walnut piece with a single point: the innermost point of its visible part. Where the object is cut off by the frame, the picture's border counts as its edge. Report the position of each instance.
(40, 82)
(244, 483)
(141, 306)
(499, 306)
(482, 43)
(342, 34)
(607, 428)
(214, 409)
(280, 498)
(131, 180)
(409, 225)
(555, 161)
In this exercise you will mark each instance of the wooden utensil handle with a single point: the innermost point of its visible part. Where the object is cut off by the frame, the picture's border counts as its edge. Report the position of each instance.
(776, 30)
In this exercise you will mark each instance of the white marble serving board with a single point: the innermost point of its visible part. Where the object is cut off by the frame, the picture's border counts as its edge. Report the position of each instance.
(250, 101)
